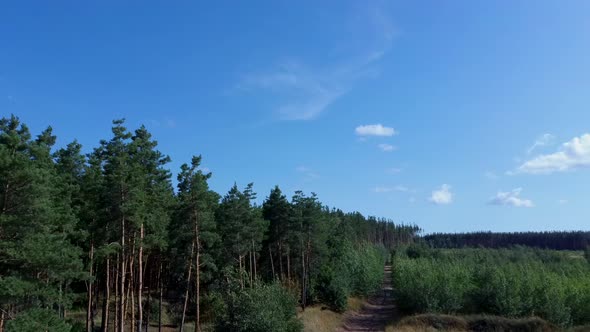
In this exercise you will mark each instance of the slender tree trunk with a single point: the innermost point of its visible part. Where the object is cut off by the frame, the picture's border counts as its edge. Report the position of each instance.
(303, 283)
(161, 296)
(281, 274)
(116, 272)
(288, 265)
(272, 265)
(122, 280)
(254, 259)
(188, 281)
(198, 287)
(90, 284)
(131, 288)
(2, 318)
(250, 268)
(241, 273)
(197, 274)
(149, 299)
(96, 298)
(140, 282)
(105, 300)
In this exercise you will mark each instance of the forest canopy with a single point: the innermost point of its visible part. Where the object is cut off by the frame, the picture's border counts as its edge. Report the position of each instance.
(106, 233)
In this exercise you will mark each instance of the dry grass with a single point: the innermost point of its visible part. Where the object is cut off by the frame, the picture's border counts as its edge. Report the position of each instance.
(319, 319)
(355, 304)
(447, 323)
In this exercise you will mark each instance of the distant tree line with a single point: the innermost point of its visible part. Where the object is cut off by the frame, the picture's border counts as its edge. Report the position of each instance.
(574, 240)
(105, 233)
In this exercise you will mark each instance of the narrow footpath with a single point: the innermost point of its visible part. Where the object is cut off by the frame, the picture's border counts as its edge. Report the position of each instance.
(376, 312)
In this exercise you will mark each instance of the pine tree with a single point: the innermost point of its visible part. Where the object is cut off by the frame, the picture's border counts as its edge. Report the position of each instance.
(37, 257)
(194, 227)
(241, 227)
(277, 210)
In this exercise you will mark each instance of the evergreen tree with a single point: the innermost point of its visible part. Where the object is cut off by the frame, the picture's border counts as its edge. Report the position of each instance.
(241, 227)
(277, 210)
(37, 257)
(193, 228)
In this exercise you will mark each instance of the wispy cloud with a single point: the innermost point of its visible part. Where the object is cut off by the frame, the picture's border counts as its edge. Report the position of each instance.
(511, 198)
(386, 189)
(442, 195)
(543, 140)
(302, 92)
(491, 175)
(386, 147)
(374, 130)
(308, 173)
(572, 155)
(393, 170)
(168, 123)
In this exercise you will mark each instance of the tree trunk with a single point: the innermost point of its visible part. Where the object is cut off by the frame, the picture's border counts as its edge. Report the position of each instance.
(149, 299)
(131, 288)
(303, 283)
(122, 280)
(2, 318)
(197, 275)
(140, 282)
(288, 265)
(272, 265)
(188, 280)
(281, 274)
(254, 259)
(198, 288)
(241, 273)
(250, 267)
(117, 290)
(161, 296)
(90, 284)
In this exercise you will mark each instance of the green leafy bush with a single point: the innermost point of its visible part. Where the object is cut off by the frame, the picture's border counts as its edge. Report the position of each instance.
(265, 307)
(356, 270)
(35, 320)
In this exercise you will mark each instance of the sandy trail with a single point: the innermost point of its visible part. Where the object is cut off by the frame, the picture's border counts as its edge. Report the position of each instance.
(376, 312)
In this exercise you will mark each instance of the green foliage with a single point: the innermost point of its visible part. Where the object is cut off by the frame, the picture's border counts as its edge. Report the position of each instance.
(513, 283)
(354, 271)
(36, 320)
(69, 221)
(259, 309)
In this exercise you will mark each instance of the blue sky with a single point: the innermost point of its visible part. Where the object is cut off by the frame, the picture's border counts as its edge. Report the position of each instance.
(454, 115)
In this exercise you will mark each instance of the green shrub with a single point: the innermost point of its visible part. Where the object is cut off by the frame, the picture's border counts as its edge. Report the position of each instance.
(354, 270)
(35, 320)
(259, 309)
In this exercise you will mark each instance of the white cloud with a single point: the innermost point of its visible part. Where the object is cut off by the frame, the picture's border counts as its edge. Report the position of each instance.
(442, 196)
(572, 155)
(374, 130)
(563, 201)
(386, 147)
(300, 91)
(308, 173)
(541, 141)
(393, 170)
(511, 198)
(385, 189)
(381, 189)
(491, 175)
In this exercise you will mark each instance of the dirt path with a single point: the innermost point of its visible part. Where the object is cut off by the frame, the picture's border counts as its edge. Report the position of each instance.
(376, 313)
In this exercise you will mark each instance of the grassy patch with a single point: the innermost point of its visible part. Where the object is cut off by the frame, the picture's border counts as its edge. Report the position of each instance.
(477, 323)
(320, 319)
